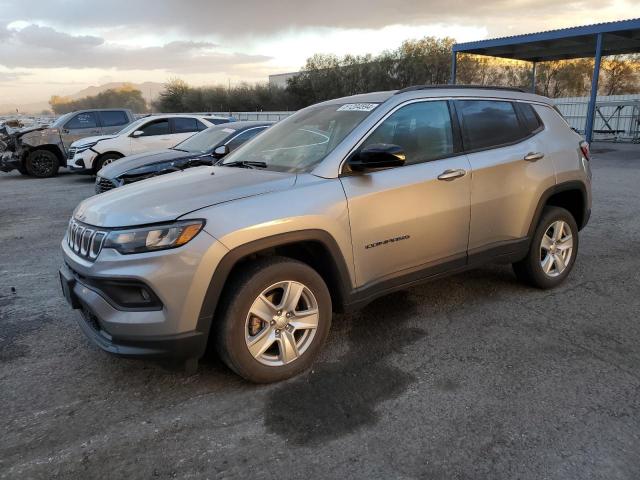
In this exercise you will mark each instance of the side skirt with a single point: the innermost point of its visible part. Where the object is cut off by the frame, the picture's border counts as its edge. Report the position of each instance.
(503, 252)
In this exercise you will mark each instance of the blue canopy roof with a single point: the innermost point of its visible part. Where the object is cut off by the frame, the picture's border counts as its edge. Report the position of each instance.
(577, 42)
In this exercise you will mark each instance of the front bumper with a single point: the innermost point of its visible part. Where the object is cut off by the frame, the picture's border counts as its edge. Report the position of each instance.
(9, 161)
(178, 278)
(188, 345)
(82, 162)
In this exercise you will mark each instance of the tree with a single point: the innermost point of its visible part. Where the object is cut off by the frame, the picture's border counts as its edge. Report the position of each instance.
(172, 99)
(123, 97)
(620, 74)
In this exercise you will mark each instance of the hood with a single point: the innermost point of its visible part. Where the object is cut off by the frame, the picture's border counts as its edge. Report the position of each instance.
(26, 130)
(167, 197)
(86, 140)
(115, 169)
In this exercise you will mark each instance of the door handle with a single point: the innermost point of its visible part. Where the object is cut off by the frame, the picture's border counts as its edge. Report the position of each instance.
(533, 156)
(452, 174)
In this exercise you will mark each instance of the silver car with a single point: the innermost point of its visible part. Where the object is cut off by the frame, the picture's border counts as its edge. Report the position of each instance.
(338, 204)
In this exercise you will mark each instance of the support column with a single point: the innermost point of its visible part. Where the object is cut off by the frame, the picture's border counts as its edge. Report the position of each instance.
(454, 66)
(588, 129)
(533, 77)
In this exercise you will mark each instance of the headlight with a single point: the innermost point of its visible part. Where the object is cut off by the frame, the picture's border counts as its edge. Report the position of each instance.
(158, 237)
(82, 148)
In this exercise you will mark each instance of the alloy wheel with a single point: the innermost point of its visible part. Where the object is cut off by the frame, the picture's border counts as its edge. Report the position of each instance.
(281, 323)
(42, 164)
(556, 248)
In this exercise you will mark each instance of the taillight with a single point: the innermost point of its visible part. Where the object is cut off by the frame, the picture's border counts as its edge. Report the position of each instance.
(584, 148)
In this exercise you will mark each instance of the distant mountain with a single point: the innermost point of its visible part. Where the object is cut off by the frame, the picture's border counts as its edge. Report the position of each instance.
(150, 91)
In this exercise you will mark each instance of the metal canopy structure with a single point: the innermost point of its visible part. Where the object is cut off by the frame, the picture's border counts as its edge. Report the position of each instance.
(612, 38)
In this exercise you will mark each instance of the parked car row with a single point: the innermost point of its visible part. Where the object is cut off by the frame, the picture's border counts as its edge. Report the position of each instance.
(204, 148)
(144, 135)
(86, 140)
(336, 205)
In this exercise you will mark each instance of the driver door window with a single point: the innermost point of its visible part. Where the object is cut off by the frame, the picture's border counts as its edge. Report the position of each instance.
(243, 137)
(157, 127)
(156, 136)
(423, 130)
(82, 125)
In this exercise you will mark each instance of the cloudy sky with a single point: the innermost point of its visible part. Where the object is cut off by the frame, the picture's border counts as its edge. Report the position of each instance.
(61, 46)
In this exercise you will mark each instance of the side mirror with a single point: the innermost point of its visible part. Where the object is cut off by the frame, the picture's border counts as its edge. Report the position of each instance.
(377, 155)
(137, 133)
(221, 151)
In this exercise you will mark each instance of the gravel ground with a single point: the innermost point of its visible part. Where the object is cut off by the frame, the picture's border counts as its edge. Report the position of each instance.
(470, 377)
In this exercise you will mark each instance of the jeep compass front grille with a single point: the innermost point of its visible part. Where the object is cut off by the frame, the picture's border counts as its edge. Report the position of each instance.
(71, 153)
(84, 240)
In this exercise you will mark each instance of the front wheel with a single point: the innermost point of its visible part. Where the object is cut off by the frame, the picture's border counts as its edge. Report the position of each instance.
(106, 160)
(553, 250)
(42, 164)
(276, 317)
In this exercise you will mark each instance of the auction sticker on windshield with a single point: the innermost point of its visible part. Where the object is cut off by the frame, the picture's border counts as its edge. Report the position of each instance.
(357, 107)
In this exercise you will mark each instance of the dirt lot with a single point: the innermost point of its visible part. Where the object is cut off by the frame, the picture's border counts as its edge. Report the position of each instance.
(470, 377)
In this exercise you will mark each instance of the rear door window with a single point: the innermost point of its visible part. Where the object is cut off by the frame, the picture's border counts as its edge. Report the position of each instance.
(184, 125)
(113, 118)
(488, 123)
(82, 120)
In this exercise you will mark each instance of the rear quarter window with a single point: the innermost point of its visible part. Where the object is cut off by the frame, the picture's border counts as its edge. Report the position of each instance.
(530, 120)
(488, 123)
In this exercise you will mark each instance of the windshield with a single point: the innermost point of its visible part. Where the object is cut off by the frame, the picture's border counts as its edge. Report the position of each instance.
(301, 141)
(205, 141)
(61, 120)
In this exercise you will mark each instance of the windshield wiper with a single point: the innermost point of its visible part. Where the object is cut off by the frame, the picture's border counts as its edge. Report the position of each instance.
(244, 164)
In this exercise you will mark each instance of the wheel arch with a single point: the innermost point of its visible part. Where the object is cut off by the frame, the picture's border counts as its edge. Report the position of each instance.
(102, 155)
(55, 149)
(316, 248)
(571, 196)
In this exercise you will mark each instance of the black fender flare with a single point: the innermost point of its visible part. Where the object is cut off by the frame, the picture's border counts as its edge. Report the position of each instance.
(232, 257)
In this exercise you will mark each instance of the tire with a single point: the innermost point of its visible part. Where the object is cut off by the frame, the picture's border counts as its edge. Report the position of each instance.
(105, 160)
(42, 164)
(273, 358)
(547, 266)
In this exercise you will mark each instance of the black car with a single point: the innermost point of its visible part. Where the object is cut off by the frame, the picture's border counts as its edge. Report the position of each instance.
(204, 148)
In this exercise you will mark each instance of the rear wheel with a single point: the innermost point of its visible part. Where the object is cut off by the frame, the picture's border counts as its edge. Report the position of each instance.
(275, 320)
(553, 250)
(106, 160)
(42, 164)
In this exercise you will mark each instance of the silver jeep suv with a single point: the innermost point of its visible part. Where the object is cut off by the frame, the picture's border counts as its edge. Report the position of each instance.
(338, 204)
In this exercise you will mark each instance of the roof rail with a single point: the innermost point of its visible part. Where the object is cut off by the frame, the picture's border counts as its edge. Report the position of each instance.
(482, 87)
